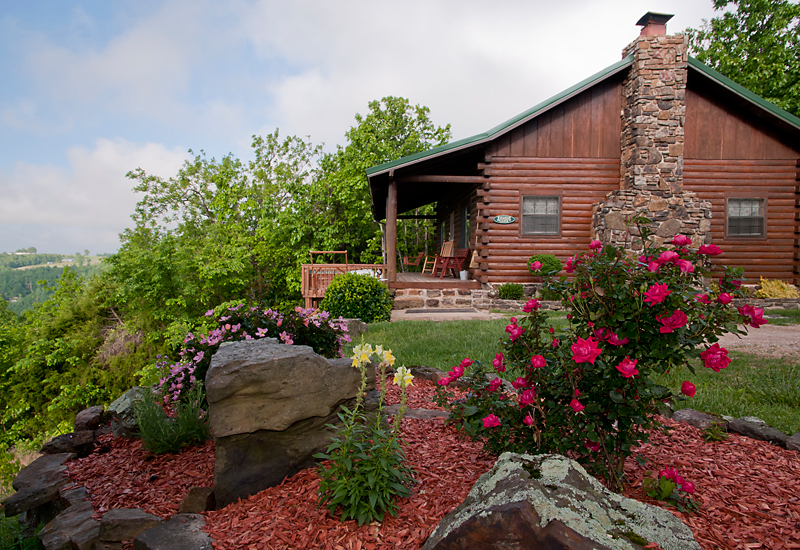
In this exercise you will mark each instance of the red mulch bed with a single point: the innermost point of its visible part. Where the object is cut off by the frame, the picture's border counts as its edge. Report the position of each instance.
(748, 491)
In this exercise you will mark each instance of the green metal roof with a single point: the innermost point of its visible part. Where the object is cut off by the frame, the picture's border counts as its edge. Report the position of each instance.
(507, 125)
(570, 92)
(744, 93)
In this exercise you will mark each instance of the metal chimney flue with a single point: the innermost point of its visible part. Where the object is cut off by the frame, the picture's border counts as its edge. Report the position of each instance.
(654, 24)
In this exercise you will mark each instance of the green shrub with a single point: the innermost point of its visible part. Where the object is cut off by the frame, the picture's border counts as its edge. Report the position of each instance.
(771, 288)
(356, 296)
(550, 264)
(9, 468)
(163, 434)
(510, 291)
(11, 537)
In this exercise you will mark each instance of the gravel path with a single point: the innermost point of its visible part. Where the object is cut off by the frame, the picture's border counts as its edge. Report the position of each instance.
(769, 340)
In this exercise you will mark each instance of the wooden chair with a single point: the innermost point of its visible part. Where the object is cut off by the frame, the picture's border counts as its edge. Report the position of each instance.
(456, 263)
(406, 260)
(436, 261)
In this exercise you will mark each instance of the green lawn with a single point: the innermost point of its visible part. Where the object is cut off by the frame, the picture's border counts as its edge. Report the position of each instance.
(750, 386)
(783, 317)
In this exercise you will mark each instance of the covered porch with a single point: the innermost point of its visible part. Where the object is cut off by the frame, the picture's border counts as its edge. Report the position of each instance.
(418, 280)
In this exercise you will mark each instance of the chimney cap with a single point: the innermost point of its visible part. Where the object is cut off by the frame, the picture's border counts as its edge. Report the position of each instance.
(654, 18)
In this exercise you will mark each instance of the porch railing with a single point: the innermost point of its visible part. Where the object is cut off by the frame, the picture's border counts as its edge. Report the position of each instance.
(315, 278)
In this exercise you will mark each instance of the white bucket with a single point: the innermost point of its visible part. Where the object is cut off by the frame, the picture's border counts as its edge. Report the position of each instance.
(464, 275)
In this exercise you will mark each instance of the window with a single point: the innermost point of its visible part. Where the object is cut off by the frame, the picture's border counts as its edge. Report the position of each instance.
(541, 215)
(746, 218)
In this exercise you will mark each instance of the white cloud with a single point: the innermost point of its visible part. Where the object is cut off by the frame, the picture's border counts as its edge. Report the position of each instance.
(92, 197)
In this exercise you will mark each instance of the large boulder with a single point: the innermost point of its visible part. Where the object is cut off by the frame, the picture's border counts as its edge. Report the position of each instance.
(549, 501)
(72, 529)
(81, 443)
(182, 532)
(89, 419)
(37, 486)
(754, 427)
(269, 410)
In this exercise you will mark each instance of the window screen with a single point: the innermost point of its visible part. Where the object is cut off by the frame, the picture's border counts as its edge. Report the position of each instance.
(540, 215)
(745, 217)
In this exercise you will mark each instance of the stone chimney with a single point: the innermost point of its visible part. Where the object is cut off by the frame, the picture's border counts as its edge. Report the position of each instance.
(651, 143)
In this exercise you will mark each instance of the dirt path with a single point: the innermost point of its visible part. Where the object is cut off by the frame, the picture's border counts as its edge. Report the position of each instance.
(768, 340)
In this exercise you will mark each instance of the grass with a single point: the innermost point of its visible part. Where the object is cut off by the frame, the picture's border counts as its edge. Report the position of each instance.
(783, 317)
(12, 539)
(443, 344)
(751, 386)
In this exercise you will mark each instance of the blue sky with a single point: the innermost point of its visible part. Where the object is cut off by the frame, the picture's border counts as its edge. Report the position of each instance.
(93, 89)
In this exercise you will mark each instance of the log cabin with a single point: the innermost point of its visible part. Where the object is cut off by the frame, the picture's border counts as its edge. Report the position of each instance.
(657, 133)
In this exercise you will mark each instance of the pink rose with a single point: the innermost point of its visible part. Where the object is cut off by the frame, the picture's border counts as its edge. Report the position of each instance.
(532, 305)
(444, 381)
(685, 266)
(756, 315)
(657, 294)
(674, 321)
(724, 298)
(668, 256)
(495, 384)
(670, 473)
(520, 382)
(592, 446)
(653, 267)
(537, 361)
(491, 421)
(555, 342)
(710, 249)
(569, 266)
(456, 372)
(576, 405)
(688, 486)
(615, 340)
(688, 389)
(702, 298)
(595, 245)
(627, 368)
(528, 420)
(585, 351)
(715, 358)
(577, 392)
(497, 362)
(536, 266)
(681, 240)
(527, 397)
(466, 362)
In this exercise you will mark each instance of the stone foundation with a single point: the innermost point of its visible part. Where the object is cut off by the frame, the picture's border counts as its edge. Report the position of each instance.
(484, 299)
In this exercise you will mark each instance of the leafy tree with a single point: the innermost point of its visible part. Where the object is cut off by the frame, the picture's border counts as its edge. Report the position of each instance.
(757, 45)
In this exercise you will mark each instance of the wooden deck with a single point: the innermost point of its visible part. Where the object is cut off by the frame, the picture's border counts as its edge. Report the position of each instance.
(418, 280)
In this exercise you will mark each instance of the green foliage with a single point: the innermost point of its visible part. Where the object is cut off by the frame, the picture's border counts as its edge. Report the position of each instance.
(757, 45)
(355, 296)
(34, 285)
(588, 392)
(510, 291)
(13, 261)
(366, 471)
(11, 537)
(773, 288)
(671, 488)
(9, 468)
(164, 434)
(550, 264)
(715, 432)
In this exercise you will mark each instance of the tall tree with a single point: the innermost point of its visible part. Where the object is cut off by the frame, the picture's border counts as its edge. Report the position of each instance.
(757, 45)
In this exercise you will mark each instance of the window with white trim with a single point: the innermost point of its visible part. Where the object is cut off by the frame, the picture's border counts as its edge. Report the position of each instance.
(746, 217)
(541, 215)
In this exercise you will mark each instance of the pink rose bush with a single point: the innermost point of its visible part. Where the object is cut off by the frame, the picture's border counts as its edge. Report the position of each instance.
(630, 316)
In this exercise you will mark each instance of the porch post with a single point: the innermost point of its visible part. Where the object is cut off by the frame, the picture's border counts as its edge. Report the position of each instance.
(391, 232)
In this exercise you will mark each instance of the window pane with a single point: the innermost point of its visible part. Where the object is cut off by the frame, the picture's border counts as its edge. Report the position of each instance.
(746, 217)
(540, 215)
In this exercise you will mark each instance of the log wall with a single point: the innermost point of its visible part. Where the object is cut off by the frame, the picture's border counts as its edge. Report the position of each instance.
(776, 256)
(579, 181)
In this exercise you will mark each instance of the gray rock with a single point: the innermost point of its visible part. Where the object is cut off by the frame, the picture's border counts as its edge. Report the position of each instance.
(38, 484)
(254, 385)
(698, 419)
(356, 327)
(89, 419)
(72, 529)
(198, 500)
(81, 443)
(123, 416)
(756, 428)
(428, 373)
(793, 443)
(74, 495)
(421, 414)
(126, 523)
(182, 532)
(549, 501)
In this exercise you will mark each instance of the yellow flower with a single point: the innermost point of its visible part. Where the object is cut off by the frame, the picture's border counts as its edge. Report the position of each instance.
(403, 377)
(388, 358)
